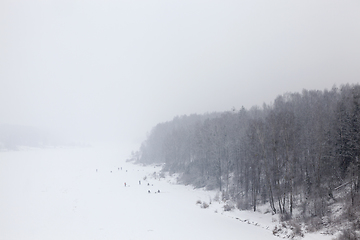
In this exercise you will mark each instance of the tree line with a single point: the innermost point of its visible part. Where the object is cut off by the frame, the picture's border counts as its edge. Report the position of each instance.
(295, 152)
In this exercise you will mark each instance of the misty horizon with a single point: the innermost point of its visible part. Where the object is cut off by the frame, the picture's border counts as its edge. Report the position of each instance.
(113, 70)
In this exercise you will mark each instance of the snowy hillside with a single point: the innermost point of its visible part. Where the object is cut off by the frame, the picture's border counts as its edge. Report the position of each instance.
(93, 193)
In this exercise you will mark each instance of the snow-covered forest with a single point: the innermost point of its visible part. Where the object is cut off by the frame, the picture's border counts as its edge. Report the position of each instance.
(298, 154)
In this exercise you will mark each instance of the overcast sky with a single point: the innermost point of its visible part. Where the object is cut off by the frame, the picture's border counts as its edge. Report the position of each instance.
(114, 69)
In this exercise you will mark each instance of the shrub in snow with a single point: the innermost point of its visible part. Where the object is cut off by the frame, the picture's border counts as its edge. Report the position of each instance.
(291, 232)
(315, 224)
(350, 214)
(242, 204)
(296, 229)
(225, 196)
(348, 234)
(285, 217)
(277, 230)
(229, 205)
(204, 205)
(198, 202)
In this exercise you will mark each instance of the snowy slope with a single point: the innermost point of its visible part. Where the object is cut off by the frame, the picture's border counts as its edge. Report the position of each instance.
(80, 194)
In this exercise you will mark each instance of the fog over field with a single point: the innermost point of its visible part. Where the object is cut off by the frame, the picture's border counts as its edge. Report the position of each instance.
(111, 70)
(78, 76)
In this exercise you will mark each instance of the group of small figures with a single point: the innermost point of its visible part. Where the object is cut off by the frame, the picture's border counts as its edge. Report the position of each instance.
(119, 168)
(158, 191)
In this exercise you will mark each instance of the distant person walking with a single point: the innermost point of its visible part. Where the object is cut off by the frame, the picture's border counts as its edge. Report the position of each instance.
(125, 184)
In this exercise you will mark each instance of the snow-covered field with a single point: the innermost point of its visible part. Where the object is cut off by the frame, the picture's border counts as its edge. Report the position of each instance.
(80, 193)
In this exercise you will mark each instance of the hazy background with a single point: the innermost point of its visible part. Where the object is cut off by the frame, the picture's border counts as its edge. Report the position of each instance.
(111, 70)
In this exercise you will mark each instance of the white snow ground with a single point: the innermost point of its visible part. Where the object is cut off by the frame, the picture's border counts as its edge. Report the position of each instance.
(58, 194)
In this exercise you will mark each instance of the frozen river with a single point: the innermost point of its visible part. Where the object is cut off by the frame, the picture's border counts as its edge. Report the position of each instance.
(80, 193)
